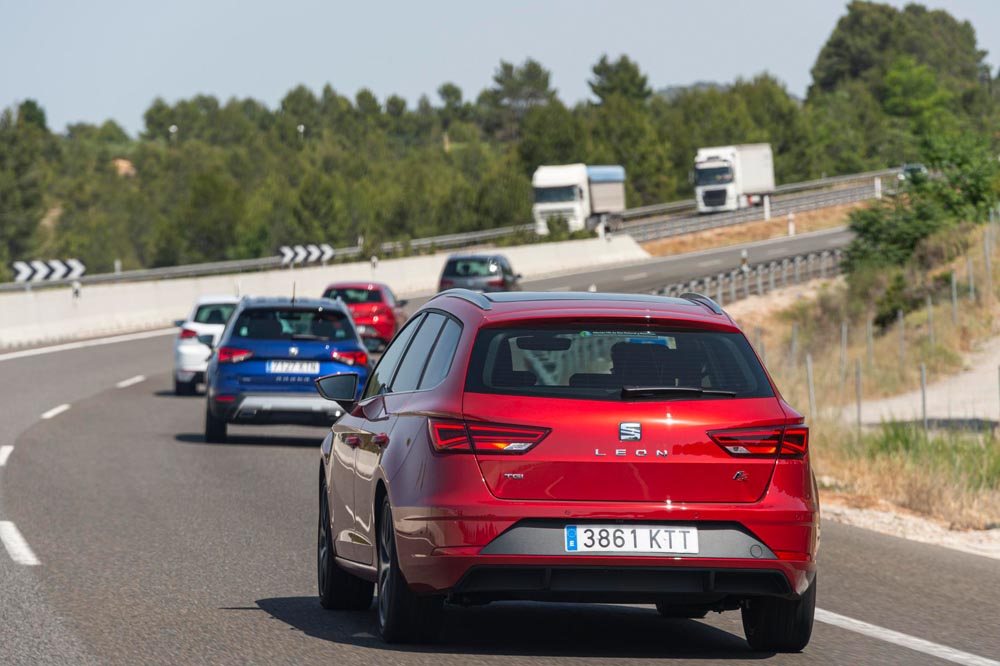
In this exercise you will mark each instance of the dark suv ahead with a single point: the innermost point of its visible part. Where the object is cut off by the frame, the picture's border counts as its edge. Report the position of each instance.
(569, 447)
(479, 272)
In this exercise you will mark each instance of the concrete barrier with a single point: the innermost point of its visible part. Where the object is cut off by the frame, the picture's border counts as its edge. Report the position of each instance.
(52, 315)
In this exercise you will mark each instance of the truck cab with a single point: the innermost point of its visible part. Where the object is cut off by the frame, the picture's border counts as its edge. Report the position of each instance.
(584, 196)
(561, 192)
(728, 178)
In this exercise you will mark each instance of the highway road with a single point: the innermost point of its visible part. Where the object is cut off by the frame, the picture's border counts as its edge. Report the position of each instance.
(144, 544)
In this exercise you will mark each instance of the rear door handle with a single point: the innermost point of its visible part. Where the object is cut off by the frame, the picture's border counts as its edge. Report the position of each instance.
(380, 439)
(352, 440)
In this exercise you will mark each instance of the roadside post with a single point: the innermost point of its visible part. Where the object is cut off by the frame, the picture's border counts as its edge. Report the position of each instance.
(930, 318)
(923, 394)
(809, 383)
(871, 342)
(972, 277)
(857, 390)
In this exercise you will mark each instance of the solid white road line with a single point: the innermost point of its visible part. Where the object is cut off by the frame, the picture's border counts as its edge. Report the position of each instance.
(903, 640)
(5, 452)
(635, 276)
(9, 356)
(55, 411)
(131, 381)
(16, 546)
(709, 262)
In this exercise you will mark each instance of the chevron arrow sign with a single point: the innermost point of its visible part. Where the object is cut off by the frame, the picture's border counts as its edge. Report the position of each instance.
(51, 270)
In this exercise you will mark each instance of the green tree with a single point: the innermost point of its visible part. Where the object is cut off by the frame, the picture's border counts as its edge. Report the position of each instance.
(621, 77)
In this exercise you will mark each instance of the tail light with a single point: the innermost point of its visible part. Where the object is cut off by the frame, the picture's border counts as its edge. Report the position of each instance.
(784, 442)
(234, 355)
(460, 437)
(496, 282)
(187, 334)
(350, 357)
(446, 284)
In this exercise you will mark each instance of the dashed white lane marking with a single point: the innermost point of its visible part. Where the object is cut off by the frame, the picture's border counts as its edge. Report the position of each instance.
(564, 287)
(9, 356)
(16, 546)
(5, 452)
(709, 262)
(635, 276)
(131, 381)
(903, 640)
(55, 411)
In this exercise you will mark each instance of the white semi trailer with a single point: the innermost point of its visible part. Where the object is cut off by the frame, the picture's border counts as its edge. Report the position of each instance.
(733, 177)
(584, 196)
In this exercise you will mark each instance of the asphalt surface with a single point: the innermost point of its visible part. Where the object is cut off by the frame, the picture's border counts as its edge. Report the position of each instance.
(156, 547)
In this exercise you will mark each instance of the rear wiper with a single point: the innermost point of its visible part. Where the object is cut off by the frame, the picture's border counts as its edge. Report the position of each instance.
(306, 336)
(639, 391)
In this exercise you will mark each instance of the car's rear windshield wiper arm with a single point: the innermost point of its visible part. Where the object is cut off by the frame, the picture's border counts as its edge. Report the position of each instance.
(307, 336)
(638, 391)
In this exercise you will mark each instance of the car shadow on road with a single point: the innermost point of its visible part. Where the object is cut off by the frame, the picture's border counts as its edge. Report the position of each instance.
(169, 393)
(239, 439)
(528, 629)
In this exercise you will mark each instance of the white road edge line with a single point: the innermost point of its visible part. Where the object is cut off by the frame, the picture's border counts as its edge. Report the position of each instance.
(16, 546)
(903, 640)
(131, 381)
(9, 356)
(635, 276)
(5, 452)
(56, 411)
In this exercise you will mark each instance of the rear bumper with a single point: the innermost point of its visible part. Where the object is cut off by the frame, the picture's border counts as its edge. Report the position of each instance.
(279, 408)
(716, 586)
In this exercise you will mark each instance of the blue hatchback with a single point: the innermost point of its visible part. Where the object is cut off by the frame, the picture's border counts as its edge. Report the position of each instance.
(269, 355)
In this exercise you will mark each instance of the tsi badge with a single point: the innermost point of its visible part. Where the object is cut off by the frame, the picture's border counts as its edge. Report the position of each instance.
(630, 432)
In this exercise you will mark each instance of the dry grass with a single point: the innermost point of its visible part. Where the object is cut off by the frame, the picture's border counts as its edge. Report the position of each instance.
(928, 475)
(813, 220)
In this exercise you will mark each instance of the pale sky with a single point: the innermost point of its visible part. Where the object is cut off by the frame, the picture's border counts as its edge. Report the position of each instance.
(99, 59)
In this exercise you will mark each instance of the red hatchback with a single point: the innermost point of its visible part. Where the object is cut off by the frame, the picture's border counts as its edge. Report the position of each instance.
(376, 311)
(569, 447)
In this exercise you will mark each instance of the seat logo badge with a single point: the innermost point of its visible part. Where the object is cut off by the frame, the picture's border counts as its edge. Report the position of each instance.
(740, 476)
(293, 351)
(630, 432)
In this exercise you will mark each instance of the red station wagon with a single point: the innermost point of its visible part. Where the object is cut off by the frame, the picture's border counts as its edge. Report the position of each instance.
(569, 447)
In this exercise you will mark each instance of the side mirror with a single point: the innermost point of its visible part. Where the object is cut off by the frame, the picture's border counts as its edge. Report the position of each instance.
(402, 302)
(207, 339)
(373, 345)
(340, 388)
(518, 276)
(179, 322)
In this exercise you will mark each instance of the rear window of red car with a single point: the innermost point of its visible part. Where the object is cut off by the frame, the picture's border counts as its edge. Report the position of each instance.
(584, 362)
(355, 296)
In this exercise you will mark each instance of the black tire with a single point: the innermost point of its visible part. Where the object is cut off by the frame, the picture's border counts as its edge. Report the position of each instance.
(215, 428)
(184, 388)
(338, 590)
(678, 611)
(403, 617)
(780, 625)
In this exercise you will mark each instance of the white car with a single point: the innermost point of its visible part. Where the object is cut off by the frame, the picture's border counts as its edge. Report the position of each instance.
(208, 318)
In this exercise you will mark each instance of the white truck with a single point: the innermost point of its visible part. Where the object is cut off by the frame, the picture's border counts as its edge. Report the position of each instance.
(584, 196)
(733, 177)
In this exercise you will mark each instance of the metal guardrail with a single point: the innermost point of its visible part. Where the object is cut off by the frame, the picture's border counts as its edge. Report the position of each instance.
(641, 229)
(761, 278)
(780, 206)
(819, 183)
